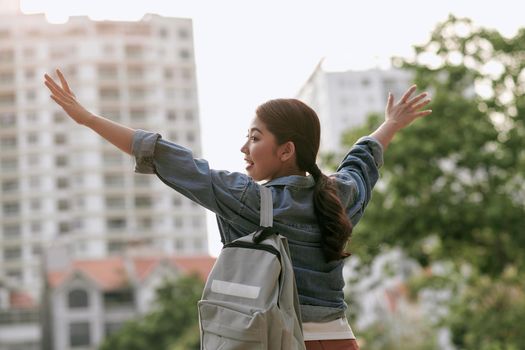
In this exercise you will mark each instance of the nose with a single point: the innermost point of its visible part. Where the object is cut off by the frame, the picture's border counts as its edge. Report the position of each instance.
(244, 148)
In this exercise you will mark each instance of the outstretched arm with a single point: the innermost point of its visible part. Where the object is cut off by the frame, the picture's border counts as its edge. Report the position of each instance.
(119, 135)
(401, 114)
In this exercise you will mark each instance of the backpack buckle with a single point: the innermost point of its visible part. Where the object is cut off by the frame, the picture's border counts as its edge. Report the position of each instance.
(263, 233)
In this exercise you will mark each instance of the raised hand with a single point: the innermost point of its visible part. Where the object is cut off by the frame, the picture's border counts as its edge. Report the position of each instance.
(407, 109)
(64, 97)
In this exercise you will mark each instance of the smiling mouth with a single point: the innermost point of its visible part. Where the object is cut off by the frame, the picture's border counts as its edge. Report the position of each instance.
(249, 163)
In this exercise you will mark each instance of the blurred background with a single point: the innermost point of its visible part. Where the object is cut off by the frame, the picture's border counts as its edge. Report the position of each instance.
(93, 256)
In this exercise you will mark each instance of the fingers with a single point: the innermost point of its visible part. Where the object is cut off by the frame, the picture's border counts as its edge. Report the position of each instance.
(407, 94)
(423, 113)
(63, 81)
(59, 102)
(420, 104)
(416, 99)
(390, 101)
(56, 90)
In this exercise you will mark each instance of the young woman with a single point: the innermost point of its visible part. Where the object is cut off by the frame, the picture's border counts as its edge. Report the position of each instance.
(314, 211)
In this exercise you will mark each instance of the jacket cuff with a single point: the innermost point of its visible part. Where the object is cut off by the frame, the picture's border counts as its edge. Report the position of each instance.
(143, 149)
(375, 147)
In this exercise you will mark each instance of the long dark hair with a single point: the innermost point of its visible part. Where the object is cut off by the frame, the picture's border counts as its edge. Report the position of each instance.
(292, 120)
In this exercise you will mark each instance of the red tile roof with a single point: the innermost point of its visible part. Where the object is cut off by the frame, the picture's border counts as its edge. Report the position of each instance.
(21, 300)
(111, 273)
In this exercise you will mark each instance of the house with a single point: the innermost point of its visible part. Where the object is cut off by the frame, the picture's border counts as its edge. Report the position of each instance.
(91, 299)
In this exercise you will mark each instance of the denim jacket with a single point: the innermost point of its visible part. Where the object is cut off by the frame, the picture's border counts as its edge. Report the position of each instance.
(234, 198)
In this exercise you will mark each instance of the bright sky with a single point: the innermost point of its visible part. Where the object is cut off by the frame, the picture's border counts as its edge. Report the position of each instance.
(250, 51)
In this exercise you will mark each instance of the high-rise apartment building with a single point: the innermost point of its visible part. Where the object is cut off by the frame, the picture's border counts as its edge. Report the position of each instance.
(60, 183)
(343, 99)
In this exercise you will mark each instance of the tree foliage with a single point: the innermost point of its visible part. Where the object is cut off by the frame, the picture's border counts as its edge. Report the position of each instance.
(172, 324)
(452, 187)
(452, 184)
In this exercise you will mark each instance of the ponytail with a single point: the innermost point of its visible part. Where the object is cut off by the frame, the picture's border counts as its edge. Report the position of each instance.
(336, 228)
(292, 120)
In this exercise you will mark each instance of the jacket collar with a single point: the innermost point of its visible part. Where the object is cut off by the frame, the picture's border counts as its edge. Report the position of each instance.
(292, 180)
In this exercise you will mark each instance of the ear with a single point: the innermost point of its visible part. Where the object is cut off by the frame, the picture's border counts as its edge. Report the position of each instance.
(286, 151)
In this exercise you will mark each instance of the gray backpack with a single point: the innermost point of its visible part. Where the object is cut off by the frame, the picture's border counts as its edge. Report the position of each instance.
(250, 299)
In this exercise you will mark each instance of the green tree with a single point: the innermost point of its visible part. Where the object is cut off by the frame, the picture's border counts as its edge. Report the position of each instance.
(172, 323)
(452, 187)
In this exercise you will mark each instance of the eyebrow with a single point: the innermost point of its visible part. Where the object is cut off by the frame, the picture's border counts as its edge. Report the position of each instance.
(254, 129)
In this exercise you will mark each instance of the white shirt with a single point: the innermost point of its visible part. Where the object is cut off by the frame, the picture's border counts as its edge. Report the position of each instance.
(336, 329)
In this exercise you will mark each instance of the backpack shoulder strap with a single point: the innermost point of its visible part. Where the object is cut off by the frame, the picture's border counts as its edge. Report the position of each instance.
(266, 207)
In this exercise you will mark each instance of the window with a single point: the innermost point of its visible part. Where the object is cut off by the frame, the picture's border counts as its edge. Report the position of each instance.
(136, 72)
(134, 51)
(61, 161)
(7, 120)
(35, 204)
(184, 54)
(168, 74)
(29, 74)
(30, 95)
(137, 114)
(7, 99)
(77, 298)
(113, 114)
(64, 227)
(190, 137)
(116, 223)
(62, 183)
(8, 142)
(32, 138)
(37, 250)
(115, 246)
(9, 164)
(108, 94)
(9, 186)
(12, 231)
(171, 115)
(179, 245)
(163, 32)
(183, 33)
(107, 71)
(63, 205)
(197, 244)
(188, 115)
(118, 298)
(33, 159)
(79, 334)
(32, 117)
(143, 202)
(12, 253)
(10, 208)
(36, 227)
(60, 139)
(34, 181)
(112, 327)
(112, 159)
(173, 136)
(6, 78)
(142, 180)
(7, 56)
(114, 180)
(196, 222)
(29, 52)
(115, 202)
(59, 117)
(144, 223)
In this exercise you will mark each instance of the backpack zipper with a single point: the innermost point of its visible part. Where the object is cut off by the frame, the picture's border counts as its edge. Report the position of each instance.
(259, 246)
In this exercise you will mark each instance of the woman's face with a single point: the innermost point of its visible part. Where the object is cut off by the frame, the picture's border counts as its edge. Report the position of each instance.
(262, 153)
